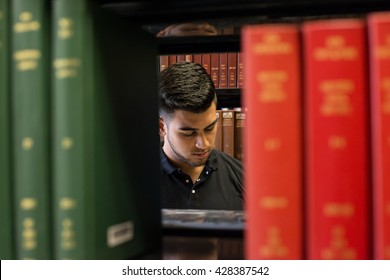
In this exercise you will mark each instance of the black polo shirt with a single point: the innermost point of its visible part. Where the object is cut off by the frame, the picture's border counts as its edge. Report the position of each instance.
(219, 186)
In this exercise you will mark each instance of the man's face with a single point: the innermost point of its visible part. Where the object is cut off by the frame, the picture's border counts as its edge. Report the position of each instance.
(189, 137)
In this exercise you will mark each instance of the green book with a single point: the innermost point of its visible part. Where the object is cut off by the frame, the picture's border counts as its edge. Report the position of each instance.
(30, 125)
(6, 218)
(105, 133)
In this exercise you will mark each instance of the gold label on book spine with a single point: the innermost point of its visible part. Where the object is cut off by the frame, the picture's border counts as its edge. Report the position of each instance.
(338, 247)
(272, 44)
(337, 209)
(272, 84)
(27, 59)
(274, 247)
(29, 234)
(337, 142)
(274, 202)
(272, 144)
(382, 52)
(67, 203)
(27, 143)
(28, 203)
(68, 236)
(66, 143)
(26, 23)
(336, 97)
(66, 67)
(65, 28)
(335, 49)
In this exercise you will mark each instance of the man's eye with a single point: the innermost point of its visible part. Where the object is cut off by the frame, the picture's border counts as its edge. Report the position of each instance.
(189, 134)
(209, 129)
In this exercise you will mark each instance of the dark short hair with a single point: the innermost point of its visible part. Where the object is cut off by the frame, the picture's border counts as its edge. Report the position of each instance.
(185, 86)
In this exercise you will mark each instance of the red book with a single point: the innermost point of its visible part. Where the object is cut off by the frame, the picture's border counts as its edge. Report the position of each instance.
(336, 143)
(172, 59)
(197, 58)
(223, 70)
(214, 68)
(206, 61)
(273, 142)
(379, 44)
(240, 70)
(232, 70)
(181, 57)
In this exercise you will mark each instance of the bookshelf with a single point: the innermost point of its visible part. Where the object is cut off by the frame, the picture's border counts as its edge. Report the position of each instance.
(145, 14)
(237, 13)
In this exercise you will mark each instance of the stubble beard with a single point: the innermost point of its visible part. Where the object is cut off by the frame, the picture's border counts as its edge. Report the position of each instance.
(181, 158)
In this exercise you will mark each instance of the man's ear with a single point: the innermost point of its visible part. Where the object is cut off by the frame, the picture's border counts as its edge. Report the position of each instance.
(162, 127)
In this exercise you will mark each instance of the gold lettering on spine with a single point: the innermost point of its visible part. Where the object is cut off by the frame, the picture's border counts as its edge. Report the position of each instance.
(337, 142)
(26, 23)
(68, 235)
(29, 234)
(274, 247)
(68, 241)
(27, 59)
(66, 67)
(336, 97)
(335, 49)
(343, 210)
(272, 84)
(271, 43)
(65, 28)
(382, 52)
(272, 144)
(27, 143)
(274, 202)
(67, 143)
(338, 246)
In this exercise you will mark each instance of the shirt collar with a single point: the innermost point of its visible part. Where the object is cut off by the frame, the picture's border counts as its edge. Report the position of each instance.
(168, 168)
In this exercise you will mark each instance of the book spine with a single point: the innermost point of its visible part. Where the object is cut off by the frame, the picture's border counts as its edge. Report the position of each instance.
(206, 62)
(164, 62)
(337, 155)
(214, 68)
(240, 70)
(228, 131)
(30, 120)
(379, 32)
(6, 205)
(273, 142)
(172, 59)
(232, 70)
(223, 70)
(69, 91)
(198, 58)
(239, 125)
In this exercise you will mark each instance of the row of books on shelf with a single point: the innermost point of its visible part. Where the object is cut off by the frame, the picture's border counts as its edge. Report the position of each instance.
(75, 159)
(225, 68)
(229, 137)
(317, 138)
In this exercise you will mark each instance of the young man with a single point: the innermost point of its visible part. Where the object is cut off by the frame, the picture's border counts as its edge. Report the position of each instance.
(194, 175)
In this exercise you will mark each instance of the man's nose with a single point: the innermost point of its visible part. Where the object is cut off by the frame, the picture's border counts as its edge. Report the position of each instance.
(201, 141)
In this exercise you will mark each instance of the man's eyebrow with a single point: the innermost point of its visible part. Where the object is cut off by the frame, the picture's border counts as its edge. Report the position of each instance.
(194, 129)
